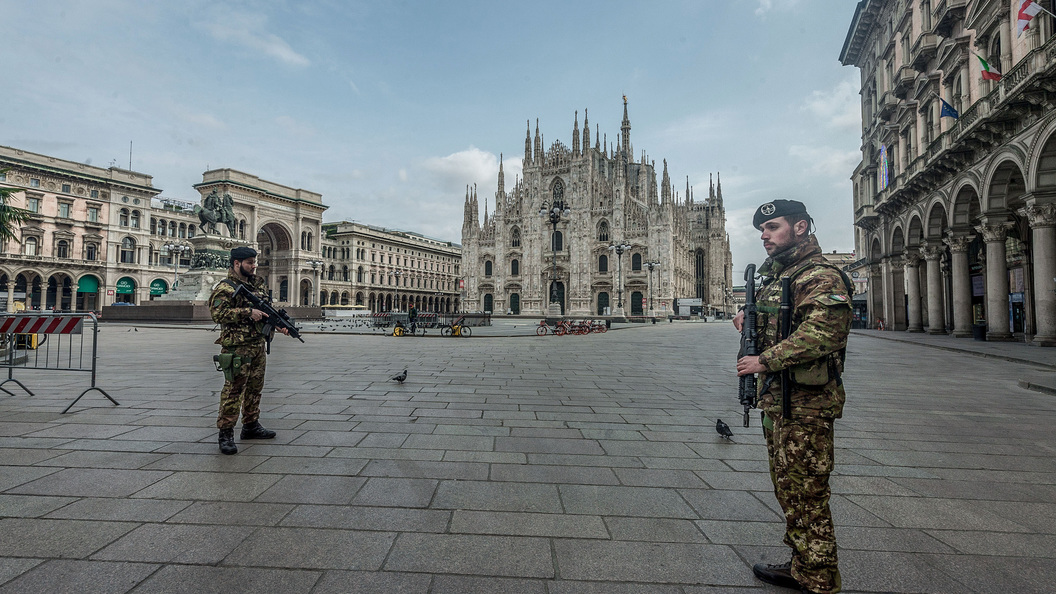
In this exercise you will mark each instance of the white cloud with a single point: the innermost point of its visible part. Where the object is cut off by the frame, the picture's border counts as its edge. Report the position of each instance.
(840, 106)
(249, 31)
(766, 5)
(471, 166)
(827, 161)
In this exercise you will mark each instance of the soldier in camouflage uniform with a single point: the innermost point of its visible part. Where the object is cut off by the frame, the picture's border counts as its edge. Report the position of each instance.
(800, 448)
(240, 335)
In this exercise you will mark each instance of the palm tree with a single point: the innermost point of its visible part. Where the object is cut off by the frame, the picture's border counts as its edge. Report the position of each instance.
(10, 217)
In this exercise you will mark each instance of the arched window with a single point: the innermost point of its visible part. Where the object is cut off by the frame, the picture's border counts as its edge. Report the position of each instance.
(487, 268)
(636, 262)
(91, 251)
(603, 231)
(515, 237)
(30, 246)
(134, 221)
(515, 267)
(122, 218)
(172, 229)
(62, 249)
(154, 226)
(242, 229)
(556, 241)
(330, 273)
(603, 263)
(128, 251)
(359, 274)
(559, 191)
(183, 230)
(344, 273)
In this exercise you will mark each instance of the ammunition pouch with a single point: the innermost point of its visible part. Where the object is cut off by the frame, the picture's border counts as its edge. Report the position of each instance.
(230, 364)
(816, 373)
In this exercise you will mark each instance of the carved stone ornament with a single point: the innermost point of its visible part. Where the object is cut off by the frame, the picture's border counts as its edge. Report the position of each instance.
(930, 252)
(910, 260)
(994, 233)
(959, 243)
(1040, 215)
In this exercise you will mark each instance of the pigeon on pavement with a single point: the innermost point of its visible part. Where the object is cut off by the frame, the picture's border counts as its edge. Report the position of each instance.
(399, 377)
(723, 429)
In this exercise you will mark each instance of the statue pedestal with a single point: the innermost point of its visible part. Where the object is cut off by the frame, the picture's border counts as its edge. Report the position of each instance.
(209, 266)
(554, 310)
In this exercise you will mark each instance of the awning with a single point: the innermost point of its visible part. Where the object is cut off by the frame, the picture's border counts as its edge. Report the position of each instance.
(159, 287)
(126, 286)
(88, 284)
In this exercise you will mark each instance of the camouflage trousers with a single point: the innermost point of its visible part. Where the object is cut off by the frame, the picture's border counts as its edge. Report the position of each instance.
(243, 392)
(801, 458)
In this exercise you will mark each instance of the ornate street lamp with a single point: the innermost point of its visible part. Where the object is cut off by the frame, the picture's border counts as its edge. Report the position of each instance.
(651, 265)
(397, 274)
(619, 248)
(554, 212)
(175, 251)
(316, 266)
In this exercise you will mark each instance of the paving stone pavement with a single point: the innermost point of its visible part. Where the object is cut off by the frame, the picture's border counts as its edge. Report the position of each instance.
(512, 463)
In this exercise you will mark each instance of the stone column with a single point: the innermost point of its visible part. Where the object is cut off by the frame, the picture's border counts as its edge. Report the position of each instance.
(1043, 227)
(936, 317)
(996, 280)
(888, 290)
(876, 297)
(1005, 30)
(962, 285)
(912, 276)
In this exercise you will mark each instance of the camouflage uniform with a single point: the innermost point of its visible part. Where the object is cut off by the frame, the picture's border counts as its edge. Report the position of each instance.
(241, 336)
(801, 448)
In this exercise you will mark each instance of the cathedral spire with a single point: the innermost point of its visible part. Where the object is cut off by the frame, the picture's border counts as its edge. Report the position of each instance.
(528, 145)
(586, 132)
(538, 143)
(718, 198)
(597, 137)
(625, 128)
(502, 181)
(665, 181)
(689, 196)
(575, 136)
(711, 188)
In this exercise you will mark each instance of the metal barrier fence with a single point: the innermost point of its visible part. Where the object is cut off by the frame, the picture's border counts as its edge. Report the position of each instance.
(52, 342)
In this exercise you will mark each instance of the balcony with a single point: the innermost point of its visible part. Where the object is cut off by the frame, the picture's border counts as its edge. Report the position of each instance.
(946, 14)
(903, 81)
(866, 217)
(924, 50)
(886, 105)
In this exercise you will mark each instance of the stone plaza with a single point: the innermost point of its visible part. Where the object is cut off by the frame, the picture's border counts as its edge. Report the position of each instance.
(509, 462)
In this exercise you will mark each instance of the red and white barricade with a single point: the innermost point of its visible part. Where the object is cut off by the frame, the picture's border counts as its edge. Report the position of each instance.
(52, 342)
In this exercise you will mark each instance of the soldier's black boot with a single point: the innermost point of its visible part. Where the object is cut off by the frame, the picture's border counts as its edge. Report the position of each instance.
(254, 430)
(778, 575)
(227, 441)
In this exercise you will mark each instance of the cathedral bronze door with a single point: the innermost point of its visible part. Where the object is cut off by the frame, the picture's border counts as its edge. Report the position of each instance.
(558, 289)
(603, 303)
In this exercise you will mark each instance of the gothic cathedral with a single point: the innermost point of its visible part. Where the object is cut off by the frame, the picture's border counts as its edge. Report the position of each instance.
(617, 246)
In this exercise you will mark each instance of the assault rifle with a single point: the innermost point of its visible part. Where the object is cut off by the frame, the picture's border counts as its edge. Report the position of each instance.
(785, 328)
(748, 390)
(276, 318)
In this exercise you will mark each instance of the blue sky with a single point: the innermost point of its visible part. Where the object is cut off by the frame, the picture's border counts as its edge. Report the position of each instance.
(389, 109)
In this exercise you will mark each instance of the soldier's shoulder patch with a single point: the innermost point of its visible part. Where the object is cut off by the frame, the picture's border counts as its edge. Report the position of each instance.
(840, 298)
(833, 299)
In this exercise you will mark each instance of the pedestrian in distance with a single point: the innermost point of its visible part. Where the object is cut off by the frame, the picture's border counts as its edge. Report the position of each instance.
(800, 448)
(242, 354)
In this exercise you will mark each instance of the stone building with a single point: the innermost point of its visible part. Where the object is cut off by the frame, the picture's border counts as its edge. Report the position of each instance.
(386, 269)
(612, 199)
(102, 236)
(956, 216)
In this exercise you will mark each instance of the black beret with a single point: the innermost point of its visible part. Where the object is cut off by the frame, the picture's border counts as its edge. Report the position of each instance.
(242, 253)
(777, 208)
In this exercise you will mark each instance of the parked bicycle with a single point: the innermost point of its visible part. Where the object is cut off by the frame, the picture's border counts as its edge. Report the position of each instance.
(456, 328)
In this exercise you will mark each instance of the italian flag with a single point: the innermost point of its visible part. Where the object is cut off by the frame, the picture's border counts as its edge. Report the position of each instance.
(989, 72)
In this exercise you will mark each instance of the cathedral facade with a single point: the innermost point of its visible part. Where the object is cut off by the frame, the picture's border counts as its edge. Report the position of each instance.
(517, 260)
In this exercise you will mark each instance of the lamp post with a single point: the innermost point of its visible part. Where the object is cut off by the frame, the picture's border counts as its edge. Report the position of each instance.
(619, 248)
(554, 212)
(175, 251)
(316, 266)
(651, 265)
(397, 274)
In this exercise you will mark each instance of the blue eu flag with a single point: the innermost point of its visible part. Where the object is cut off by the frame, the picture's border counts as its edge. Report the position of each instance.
(947, 110)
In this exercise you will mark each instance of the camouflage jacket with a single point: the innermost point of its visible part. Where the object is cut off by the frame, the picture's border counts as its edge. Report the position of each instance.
(233, 315)
(821, 321)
